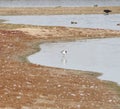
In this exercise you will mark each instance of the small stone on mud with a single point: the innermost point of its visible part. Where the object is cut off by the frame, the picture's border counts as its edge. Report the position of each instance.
(110, 101)
(18, 97)
(78, 106)
(59, 85)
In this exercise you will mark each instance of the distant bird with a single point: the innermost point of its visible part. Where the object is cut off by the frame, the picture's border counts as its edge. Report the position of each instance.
(64, 52)
(118, 24)
(107, 11)
(73, 22)
(64, 60)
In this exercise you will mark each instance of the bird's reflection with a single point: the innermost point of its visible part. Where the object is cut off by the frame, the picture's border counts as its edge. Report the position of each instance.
(64, 60)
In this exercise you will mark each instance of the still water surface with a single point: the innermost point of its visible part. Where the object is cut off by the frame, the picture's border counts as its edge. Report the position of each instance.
(99, 55)
(55, 3)
(83, 21)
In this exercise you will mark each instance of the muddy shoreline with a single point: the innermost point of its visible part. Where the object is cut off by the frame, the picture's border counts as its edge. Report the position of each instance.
(25, 85)
(57, 10)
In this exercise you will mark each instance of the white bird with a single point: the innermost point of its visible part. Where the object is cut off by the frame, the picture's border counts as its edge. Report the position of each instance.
(64, 60)
(64, 52)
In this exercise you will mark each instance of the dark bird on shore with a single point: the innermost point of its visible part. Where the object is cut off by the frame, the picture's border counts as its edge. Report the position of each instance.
(107, 11)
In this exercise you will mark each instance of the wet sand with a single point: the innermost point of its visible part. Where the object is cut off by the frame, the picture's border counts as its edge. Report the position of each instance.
(27, 86)
(57, 10)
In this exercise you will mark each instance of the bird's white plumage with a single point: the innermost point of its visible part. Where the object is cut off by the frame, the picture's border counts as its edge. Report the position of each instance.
(64, 52)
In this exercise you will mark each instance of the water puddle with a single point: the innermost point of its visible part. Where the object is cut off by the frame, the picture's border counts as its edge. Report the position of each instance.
(99, 55)
(55, 3)
(82, 21)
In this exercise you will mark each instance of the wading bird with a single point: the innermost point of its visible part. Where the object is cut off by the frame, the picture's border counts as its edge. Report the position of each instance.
(64, 52)
(64, 60)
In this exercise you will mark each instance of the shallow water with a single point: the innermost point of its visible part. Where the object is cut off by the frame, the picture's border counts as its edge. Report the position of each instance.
(55, 3)
(84, 21)
(99, 55)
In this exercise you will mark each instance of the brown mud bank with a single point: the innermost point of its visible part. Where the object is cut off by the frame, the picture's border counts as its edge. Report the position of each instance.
(27, 86)
(57, 10)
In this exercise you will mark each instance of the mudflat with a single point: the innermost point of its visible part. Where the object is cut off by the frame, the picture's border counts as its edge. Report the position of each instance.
(57, 10)
(24, 85)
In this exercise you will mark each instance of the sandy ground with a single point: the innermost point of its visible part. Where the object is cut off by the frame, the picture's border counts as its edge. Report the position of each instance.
(57, 10)
(27, 86)
(70, 33)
